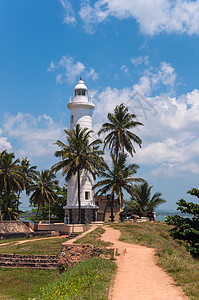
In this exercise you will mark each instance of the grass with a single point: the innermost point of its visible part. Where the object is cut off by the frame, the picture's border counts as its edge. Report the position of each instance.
(89, 280)
(23, 283)
(93, 238)
(171, 254)
(21, 239)
(43, 247)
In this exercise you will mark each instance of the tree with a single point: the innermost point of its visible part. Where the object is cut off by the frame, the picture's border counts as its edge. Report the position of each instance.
(187, 229)
(12, 206)
(57, 211)
(11, 178)
(43, 190)
(29, 172)
(79, 155)
(141, 201)
(119, 135)
(116, 179)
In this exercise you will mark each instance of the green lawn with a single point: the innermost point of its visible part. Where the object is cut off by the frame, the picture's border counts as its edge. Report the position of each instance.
(23, 283)
(43, 247)
(88, 280)
(171, 255)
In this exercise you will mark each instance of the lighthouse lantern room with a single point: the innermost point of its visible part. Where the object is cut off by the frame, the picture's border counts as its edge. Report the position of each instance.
(81, 108)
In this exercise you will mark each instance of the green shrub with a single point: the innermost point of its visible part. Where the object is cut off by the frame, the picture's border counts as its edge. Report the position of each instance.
(187, 229)
(90, 279)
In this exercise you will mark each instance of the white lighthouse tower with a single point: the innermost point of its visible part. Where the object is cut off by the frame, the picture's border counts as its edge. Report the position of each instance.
(80, 108)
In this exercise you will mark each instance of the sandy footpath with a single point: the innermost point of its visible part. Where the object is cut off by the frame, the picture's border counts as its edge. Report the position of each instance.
(138, 276)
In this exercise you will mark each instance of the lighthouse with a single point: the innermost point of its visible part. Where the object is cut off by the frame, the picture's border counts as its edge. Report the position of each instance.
(81, 108)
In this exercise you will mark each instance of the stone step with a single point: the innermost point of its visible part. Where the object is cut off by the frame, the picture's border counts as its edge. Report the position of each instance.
(26, 256)
(13, 264)
(28, 260)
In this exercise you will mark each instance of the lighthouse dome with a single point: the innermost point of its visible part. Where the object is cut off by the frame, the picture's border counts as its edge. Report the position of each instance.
(80, 92)
(80, 85)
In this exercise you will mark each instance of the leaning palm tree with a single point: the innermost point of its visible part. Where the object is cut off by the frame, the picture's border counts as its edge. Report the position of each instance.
(141, 201)
(119, 131)
(11, 178)
(79, 155)
(43, 190)
(118, 178)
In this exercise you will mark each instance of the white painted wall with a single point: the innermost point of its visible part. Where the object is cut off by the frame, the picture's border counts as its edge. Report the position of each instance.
(81, 110)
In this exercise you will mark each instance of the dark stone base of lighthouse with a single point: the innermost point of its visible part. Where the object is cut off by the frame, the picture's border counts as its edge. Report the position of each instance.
(88, 215)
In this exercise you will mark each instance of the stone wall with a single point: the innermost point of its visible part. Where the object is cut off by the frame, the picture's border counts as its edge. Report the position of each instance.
(64, 229)
(74, 253)
(14, 229)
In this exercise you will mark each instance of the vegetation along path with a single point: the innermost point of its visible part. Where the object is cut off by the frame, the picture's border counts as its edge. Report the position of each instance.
(138, 276)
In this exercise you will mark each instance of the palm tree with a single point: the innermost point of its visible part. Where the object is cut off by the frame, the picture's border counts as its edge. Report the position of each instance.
(141, 201)
(79, 155)
(116, 179)
(11, 178)
(43, 190)
(119, 135)
(29, 172)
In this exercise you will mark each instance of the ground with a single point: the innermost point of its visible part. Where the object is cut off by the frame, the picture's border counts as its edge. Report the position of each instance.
(138, 275)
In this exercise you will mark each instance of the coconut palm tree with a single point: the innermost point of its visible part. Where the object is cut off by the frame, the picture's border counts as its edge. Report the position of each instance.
(11, 178)
(29, 172)
(119, 135)
(118, 178)
(142, 203)
(79, 155)
(43, 190)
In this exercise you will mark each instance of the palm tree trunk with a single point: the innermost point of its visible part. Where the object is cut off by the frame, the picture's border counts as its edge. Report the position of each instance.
(112, 202)
(36, 217)
(6, 206)
(78, 196)
(19, 193)
(105, 209)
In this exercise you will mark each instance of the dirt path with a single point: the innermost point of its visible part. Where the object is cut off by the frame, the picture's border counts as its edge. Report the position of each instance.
(138, 276)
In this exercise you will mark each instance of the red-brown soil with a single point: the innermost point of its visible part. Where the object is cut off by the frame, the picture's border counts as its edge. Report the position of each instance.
(138, 275)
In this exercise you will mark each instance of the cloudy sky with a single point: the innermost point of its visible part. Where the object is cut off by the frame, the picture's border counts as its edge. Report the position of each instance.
(141, 53)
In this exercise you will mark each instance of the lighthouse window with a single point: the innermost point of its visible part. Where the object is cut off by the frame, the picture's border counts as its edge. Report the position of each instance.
(80, 93)
(87, 195)
(72, 119)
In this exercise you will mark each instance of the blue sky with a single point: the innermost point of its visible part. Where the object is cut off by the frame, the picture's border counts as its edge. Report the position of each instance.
(142, 53)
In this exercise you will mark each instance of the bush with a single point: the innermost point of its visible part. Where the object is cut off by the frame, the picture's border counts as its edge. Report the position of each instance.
(90, 279)
(187, 229)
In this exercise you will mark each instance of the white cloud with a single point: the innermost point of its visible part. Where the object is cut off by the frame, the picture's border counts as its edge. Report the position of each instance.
(136, 61)
(154, 16)
(69, 14)
(171, 132)
(92, 74)
(33, 137)
(171, 170)
(4, 143)
(68, 70)
(124, 69)
(152, 79)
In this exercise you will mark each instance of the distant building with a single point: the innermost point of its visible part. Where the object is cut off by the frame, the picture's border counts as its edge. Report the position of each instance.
(102, 202)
